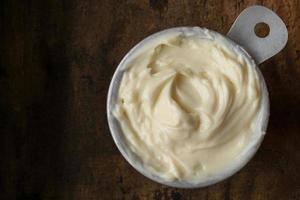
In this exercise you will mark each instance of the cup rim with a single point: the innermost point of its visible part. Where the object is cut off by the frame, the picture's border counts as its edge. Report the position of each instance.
(135, 162)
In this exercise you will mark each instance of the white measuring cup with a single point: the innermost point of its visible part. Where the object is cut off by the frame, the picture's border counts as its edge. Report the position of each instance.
(242, 36)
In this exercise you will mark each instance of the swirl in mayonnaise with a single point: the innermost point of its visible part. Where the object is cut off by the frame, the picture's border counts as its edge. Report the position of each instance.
(187, 104)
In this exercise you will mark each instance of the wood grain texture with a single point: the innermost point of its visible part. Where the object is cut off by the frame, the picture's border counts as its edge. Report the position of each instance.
(57, 59)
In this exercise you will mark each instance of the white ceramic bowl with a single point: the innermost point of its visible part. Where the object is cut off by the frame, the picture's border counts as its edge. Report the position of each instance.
(120, 140)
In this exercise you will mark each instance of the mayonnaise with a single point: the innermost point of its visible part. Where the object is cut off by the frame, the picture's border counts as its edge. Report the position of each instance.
(187, 104)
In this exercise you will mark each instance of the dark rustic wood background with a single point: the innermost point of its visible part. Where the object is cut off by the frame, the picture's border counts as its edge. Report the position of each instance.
(57, 59)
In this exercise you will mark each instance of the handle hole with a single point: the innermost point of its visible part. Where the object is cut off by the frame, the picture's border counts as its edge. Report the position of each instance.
(262, 30)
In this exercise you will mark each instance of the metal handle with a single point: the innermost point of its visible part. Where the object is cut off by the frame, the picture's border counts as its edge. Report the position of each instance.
(261, 49)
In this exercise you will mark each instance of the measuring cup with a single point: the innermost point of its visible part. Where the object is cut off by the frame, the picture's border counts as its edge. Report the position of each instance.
(242, 36)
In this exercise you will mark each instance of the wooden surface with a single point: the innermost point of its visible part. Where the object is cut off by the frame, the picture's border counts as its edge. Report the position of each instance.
(57, 59)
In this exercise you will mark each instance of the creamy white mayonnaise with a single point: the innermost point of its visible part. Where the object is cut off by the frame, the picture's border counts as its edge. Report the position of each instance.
(188, 103)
